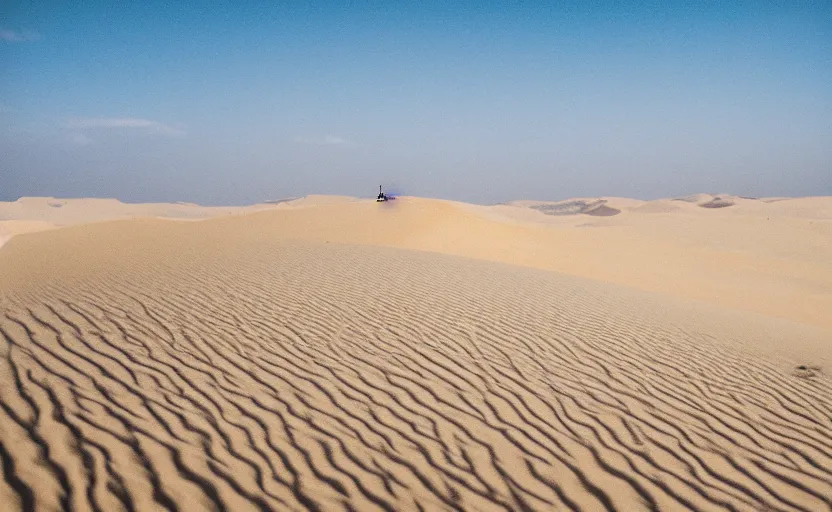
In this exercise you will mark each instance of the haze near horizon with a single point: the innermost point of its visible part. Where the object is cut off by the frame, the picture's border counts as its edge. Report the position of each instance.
(241, 104)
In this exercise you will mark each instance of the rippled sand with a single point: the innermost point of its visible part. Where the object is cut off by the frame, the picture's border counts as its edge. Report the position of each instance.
(342, 355)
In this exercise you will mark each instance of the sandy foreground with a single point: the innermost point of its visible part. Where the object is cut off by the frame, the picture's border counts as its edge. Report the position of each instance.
(331, 353)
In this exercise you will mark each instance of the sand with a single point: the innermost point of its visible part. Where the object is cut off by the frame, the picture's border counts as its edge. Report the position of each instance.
(329, 353)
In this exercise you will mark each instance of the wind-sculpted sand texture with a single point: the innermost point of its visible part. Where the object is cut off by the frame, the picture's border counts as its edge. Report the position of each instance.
(194, 367)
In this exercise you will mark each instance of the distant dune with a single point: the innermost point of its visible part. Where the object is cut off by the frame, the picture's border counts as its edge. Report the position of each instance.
(334, 353)
(597, 207)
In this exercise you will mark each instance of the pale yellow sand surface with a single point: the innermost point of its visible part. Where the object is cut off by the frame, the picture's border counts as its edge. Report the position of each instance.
(329, 353)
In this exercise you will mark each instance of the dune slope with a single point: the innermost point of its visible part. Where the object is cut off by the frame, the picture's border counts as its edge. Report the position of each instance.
(225, 365)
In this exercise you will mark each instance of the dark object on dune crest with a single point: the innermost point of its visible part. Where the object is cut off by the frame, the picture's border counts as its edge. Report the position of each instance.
(382, 196)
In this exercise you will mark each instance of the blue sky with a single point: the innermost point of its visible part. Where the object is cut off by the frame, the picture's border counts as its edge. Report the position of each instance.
(220, 103)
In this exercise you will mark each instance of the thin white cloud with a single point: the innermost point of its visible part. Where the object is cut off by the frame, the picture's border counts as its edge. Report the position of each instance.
(329, 140)
(332, 140)
(123, 122)
(79, 139)
(15, 36)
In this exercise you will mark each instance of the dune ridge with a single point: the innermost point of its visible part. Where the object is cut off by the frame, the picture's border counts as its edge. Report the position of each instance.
(771, 258)
(288, 360)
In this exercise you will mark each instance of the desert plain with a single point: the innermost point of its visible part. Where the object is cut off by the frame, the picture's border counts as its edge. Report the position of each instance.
(334, 353)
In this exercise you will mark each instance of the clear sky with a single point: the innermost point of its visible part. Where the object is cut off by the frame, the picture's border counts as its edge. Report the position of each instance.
(238, 102)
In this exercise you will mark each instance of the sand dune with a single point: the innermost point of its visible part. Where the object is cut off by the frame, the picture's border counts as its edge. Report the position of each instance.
(775, 262)
(32, 214)
(51, 212)
(335, 354)
(10, 228)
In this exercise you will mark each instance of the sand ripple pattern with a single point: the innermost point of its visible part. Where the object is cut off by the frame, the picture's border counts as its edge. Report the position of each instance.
(326, 377)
